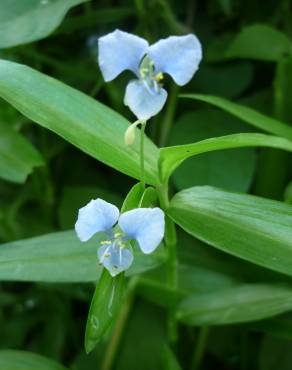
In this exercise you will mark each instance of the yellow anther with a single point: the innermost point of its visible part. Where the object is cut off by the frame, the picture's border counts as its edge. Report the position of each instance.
(106, 242)
(159, 77)
(107, 255)
(144, 72)
(117, 234)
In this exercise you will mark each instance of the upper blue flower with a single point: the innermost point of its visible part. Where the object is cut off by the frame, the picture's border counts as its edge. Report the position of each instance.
(179, 56)
(145, 225)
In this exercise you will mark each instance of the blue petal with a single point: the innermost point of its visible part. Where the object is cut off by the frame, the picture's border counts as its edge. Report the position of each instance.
(146, 225)
(142, 101)
(118, 51)
(96, 216)
(178, 56)
(114, 258)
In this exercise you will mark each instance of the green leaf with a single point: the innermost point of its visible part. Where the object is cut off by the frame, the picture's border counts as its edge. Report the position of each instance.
(149, 198)
(21, 360)
(228, 80)
(172, 157)
(169, 360)
(242, 303)
(105, 305)
(61, 257)
(252, 228)
(260, 42)
(133, 197)
(17, 156)
(247, 114)
(30, 20)
(79, 119)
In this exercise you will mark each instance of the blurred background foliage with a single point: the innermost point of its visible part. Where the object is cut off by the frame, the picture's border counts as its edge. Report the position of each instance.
(44, 180)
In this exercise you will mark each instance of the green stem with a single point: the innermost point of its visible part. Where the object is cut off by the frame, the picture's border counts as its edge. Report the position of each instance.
(169, 115)
(200, 348)
(170, 244)
(142, 165)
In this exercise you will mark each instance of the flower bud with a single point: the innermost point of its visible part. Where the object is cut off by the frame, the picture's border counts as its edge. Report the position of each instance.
(130, 135)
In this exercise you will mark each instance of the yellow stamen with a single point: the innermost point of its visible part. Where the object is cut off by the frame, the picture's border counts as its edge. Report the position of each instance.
(106, 242)
(159, 77)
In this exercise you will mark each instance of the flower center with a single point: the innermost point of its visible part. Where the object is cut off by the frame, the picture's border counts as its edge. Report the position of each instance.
(151, 80)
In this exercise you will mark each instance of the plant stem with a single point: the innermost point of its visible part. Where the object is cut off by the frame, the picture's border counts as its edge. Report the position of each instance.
(200, 348)
(142, 165)
(170, 244)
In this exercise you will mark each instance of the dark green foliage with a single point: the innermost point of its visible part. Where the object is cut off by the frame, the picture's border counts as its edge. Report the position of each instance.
(61, 144)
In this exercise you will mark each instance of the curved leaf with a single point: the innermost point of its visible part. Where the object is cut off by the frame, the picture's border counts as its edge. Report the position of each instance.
(30, 20)
(105, 305)
(17, 156)
(247, 114)
(21, 360)
(252, 228)
(172, 157)
(79, 119)
(260, 42)
(61, 257)
(237, 304)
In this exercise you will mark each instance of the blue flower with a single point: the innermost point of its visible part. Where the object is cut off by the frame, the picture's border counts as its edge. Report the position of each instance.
(145, 225)
(179, 56)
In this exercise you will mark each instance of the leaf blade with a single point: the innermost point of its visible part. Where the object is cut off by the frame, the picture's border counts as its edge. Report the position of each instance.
(36, 20)
(61, 257)
(79, 119)
(246, 226)
(243, 303)
(22, 360)
(247, 114)
(171, 157)
(18, 156)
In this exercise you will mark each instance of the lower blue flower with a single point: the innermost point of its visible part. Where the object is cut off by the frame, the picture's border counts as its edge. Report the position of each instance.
(145, 225)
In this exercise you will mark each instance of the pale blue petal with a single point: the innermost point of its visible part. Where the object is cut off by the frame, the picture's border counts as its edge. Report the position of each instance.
(179, 56)
(146, 225)
(114, 258)
(142, 101)
(118, 51)
(98, 215)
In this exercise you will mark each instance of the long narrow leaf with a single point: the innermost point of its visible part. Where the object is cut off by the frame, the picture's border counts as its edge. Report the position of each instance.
(172, 157)
(79, 119)
(247, 114)
(60, 257)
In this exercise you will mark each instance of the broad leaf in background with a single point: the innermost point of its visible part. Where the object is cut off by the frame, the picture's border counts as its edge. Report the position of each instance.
(61, 257)
(243, 303)
(17, 156)
(172, 157)
(207, 169)
(85, 123)
(105, 305)
(260, 42)
(21, 360)
(247, 114)
(30, 20)
(253, 228)
(225, 80)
